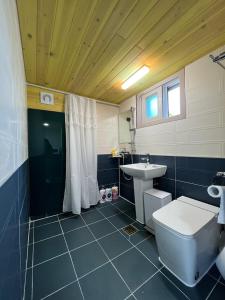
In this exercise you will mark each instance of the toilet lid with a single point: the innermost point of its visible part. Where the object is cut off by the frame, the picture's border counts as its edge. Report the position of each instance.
(182, 217)
(199, 204)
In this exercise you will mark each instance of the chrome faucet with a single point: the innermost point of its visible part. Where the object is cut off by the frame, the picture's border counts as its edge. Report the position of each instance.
(146, 158)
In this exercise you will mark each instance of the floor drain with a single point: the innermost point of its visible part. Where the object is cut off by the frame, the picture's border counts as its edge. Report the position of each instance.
(130, 229)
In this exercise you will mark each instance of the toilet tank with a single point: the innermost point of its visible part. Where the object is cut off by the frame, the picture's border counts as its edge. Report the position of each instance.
(153, 200)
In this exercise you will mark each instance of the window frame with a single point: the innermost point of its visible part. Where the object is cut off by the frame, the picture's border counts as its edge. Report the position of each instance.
(162, 86)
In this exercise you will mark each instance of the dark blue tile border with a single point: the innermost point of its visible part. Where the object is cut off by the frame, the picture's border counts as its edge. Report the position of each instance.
(187, 176)
(14, 222)
(108, 170)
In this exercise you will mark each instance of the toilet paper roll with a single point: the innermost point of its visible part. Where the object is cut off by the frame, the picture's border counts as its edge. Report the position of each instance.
(217, 191)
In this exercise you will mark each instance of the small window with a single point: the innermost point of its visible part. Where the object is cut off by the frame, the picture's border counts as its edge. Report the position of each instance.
(151, 106)
(162, 103)
(171, 98)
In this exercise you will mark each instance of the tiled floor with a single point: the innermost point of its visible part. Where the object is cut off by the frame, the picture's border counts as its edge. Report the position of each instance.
(90, 257)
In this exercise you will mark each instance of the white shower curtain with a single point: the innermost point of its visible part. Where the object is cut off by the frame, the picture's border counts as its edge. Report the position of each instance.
(81, 187)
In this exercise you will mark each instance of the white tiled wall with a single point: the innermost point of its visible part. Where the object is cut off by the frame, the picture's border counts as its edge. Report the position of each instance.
(202, 133)
(13, 113)
(107, 128)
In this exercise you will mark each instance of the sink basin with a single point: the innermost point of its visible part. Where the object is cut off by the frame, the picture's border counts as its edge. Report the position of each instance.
(144, 171)
(143, 175)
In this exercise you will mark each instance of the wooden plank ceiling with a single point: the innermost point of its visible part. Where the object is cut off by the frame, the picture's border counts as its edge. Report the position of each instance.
(89, 47)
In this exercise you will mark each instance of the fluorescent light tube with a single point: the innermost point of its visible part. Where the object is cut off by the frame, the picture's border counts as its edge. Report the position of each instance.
(135, 77)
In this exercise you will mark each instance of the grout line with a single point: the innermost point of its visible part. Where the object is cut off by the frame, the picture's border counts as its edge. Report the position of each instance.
(60, 220)
(99, 210)
(44, 261)
(46, 238)
(221, 281)
(173, 283)
(143, 283)
(71, 260)
(125, 200)
(213, 277)
(67, 232)
(37, 226)
(97, 240)
(71, 250)
(59, 289)
(43, 218)
(71, 216)
(109, 259)
(25, 280)
(135, 246)
(205, 186)
(210, 293)
(98, 267)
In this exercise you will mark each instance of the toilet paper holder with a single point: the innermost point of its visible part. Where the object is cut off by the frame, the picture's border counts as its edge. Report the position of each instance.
(219, 179)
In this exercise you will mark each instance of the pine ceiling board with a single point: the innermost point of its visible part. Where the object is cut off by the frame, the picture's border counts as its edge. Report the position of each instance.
(119, 14)
(176, 12)
(106, 56)
(171, 18)
(63, 22)
(194, 46)
(136, 14)
(28, 26)
(97, 21)
(130, 57)
(83, 12)
(179, 29)
(166, 37)
(154, 15)
(198, 16)
(212, 45)
(45, 26)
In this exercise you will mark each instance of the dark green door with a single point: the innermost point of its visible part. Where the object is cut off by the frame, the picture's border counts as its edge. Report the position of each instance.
(46, 139)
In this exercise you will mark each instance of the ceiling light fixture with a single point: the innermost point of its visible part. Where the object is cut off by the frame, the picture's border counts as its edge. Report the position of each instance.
(46, 124)
(135, 77)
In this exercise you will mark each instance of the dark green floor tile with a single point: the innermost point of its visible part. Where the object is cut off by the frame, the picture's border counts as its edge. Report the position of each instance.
(78, 237)
(109, 211)
(134, 268)
(92, 216)
(102, 228)
(104, 283)
(49, 248)
(52, 275)
(149, 248)
(218, 293)
(71, 292)
(199, 292)
(72, 223)
(120, 220)
(159, 288)
(88, 258)
(114, 244)
(45, 221)
(46, 231)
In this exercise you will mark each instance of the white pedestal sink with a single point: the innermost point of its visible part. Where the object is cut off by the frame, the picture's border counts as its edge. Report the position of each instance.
(143, 175)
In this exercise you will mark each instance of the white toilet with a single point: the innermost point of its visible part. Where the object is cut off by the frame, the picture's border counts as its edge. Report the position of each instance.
(187, 236)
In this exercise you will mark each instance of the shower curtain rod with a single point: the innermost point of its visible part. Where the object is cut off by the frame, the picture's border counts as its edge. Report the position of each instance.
(67, 93)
